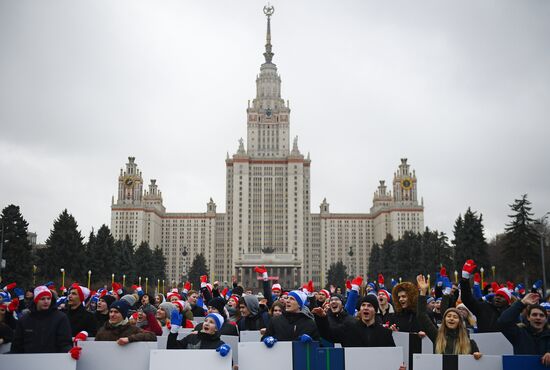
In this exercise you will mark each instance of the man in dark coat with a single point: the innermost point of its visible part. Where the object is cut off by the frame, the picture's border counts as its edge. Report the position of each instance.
(363, 331)
(102, 312)
(251, 317)
(295, 322)
(405, 295)
(487, 313)
(530, 339)
(120, 330)
(44, 329)
(79, 317)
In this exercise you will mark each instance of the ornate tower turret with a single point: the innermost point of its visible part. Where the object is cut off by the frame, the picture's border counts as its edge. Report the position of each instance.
(404, 185)
(130, 184)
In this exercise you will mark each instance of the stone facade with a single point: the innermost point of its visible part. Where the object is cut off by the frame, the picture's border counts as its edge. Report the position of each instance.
(268, 217)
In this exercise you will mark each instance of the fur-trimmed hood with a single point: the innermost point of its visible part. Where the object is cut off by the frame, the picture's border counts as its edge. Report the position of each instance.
(412, 293)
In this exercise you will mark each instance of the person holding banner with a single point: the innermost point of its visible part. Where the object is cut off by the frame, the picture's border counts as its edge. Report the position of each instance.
(530, 339)
(44, 329)
(120, 330)
(207, 338)
(452, 337)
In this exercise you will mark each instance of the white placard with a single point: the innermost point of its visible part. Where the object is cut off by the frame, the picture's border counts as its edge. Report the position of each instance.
(134, 356)
(189, 359)
(401, 339)
(486, 362)
(254, 354)
(427, 362)
(165, 331)
(493, 344)
(183, 332)
(162, 342)
(250, 336)
(197, 320)
(379, 358)
(38, 361)
(233, 342)
(5, 348)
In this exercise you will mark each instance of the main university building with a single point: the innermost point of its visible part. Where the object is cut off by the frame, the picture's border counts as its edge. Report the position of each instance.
(268, 217)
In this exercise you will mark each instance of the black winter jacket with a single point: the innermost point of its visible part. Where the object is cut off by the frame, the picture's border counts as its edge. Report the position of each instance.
(355, 333)
(194, 341)
(487, 314)
(290, 326)
(522, 337)
(405, 321)
(80, 320)
(226, 329)
(42, 332)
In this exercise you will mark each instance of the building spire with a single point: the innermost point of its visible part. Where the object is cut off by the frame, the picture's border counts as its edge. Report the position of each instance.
(268, 11)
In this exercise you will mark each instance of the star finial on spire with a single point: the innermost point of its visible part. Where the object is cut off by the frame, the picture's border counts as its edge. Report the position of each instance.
(268, 11)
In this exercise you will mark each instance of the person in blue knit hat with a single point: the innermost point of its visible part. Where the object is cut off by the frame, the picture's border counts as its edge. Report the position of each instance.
(207, 338)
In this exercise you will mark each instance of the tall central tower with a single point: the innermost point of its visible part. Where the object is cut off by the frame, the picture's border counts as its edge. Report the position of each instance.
(268, 185)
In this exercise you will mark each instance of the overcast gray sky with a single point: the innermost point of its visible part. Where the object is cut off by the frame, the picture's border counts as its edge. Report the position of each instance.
(461, 88)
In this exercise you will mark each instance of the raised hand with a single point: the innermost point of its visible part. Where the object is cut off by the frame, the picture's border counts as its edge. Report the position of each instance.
(75, 352)
(223, 350)
(381, 280)
(262, 271)
(477, 278)
(186, 287)
(356, 283)
(304, 338)
(468, 269)
(176, 319)
(531, 298)
(422, 284)
(318, 311)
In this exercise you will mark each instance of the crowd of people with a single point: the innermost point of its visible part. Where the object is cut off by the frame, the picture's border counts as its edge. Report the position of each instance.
(43, 319)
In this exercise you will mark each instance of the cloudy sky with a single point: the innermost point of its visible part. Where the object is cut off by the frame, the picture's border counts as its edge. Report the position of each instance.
(461, 88)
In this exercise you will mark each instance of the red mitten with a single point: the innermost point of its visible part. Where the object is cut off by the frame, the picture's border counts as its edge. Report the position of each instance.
(348, 285)
(82, 336)
(356, 283)
(468, 269)
(204, 280)
(310, 286)
(477, 278)
(262, 271)
(510, 286)
(12, 306)
(380, 279)
(494, 286)
(75, 352)
(9, 287)
(443, 271)
(117, 288)
(186, 287)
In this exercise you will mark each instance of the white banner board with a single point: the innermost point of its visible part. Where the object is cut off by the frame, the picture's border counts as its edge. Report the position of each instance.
(5, 348)
(379, 358)
(134, 356)
(188, 359)
(493, 344)
(403, 340)
(465, 362)
(37, 361)
(250, 336)
(233, 342)
(256, 355)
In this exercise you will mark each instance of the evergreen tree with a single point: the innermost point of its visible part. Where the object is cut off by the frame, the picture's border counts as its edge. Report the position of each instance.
(387, 258)
(142, 262)
(521, 242)
(336, 275)
(17, 249)
(125, 263)
(435, 253)
(374, 262)
(102, 255)
(159, 264)
(64, 250)
(198, 268)
(469, 240)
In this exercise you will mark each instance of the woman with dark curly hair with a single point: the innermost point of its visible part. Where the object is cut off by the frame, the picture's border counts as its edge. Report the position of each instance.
(405, 296)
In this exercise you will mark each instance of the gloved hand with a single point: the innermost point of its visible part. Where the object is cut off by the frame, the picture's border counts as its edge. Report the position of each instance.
(381, 280)
(75, 352)
(477, 278)
(204, 280)
(537, 285)
(186, 287)
(269, 341)
(348, 285)
(468, 269)
(262, 271)
(82, 336)
(510, 286)
(20, 293)
(224, 350)
(9, 287)
(438, 280)
(393, 282)
(356, 283)
(12, 306)
(443, 271)
(447, 285)
(304, 338)
(176, 319)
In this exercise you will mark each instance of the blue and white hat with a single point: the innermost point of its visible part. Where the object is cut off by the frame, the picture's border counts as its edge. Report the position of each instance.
(218, 319)
(299, 296)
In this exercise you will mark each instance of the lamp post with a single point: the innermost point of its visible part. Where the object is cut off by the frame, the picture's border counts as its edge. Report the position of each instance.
(89, 278)
(524, 274)
(62, 277)
(1, 249)
(456, 276)
(494, 269)
(482, 270)
(184, 263)
(34, 275)
(124, 280)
